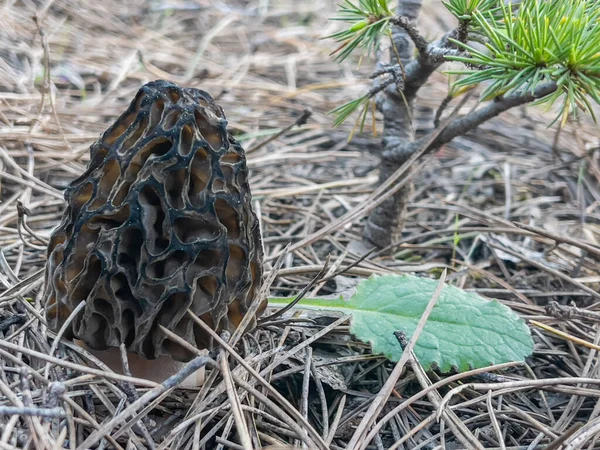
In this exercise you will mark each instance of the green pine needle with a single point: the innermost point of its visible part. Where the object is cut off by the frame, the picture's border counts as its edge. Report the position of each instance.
(513, 48)
(341, 113)
(369, 20)
(540, 42)
(463, 9)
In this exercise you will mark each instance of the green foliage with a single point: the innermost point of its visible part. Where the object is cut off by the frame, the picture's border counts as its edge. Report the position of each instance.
(347, 109)
(524, 44)
(368, 19)
(463, 9)
(544, 41)
(463, 331)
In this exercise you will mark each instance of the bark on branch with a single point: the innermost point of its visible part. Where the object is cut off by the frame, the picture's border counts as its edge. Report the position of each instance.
(385, 222)
(416, 72)
(411, 29)
(468, 122)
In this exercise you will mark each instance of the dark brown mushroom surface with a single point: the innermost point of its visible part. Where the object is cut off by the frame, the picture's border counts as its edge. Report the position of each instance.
(161, 221)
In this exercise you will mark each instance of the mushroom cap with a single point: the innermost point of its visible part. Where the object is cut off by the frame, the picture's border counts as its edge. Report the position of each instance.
(160, 222)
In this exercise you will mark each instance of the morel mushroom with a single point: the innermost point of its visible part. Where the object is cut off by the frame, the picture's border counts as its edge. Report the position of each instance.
(161, 221)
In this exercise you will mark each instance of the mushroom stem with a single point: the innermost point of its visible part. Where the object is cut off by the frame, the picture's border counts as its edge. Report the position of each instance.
(157, 370)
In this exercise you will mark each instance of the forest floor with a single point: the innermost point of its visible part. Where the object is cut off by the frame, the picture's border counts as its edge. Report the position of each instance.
(69, 68)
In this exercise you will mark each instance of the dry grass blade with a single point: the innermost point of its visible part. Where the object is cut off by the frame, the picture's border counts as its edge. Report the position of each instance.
(258, 377)
(512, 210)
(593, 249)
(528, 384)
(358, 441)
(299, 297)
(236, 405)
(564, 335)
(460, 430)
(78, 367)
(148, 397)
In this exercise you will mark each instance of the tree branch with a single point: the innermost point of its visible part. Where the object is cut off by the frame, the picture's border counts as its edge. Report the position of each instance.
(403, 44)
(462, 125)
(411, 29)
(417, 72)
(463, 30)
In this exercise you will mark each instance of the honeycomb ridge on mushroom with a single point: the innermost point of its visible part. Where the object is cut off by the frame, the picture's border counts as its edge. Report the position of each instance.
(160, 221)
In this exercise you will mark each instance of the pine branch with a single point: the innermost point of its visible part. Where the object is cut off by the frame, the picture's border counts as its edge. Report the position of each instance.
(418, 71)
(468, 122)
(408, 83)
(411, 29)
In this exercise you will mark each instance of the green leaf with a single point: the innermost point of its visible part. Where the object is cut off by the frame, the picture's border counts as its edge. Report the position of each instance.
(463, 331)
